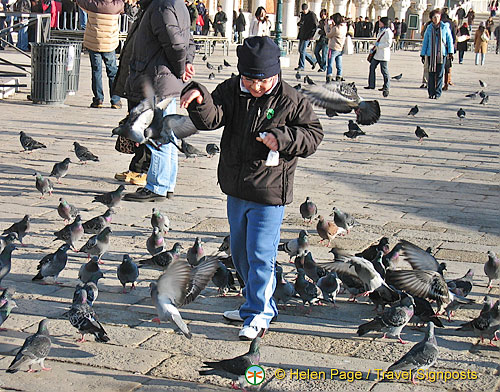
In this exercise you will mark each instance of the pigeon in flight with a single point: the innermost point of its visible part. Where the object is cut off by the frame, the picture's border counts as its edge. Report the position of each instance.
(472, 95)
(354, 130)
(28, 143)
(413, 111)
(420, 133)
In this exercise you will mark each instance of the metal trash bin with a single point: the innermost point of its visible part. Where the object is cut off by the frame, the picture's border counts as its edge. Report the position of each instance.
(73, 65)
(49, 74)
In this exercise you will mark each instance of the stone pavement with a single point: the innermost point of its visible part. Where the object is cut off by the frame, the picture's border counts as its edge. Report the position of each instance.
(442, 193)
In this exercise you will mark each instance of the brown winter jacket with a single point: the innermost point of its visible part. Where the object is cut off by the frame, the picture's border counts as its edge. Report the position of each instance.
(285, 112)
(480, 46)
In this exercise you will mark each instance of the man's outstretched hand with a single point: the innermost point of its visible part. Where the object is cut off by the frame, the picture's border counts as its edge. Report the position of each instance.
(189, 97)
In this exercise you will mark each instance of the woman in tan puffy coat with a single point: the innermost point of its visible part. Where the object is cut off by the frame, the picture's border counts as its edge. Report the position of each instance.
(481, 44)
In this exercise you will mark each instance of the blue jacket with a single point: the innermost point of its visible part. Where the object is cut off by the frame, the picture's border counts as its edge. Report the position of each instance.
(446, 40)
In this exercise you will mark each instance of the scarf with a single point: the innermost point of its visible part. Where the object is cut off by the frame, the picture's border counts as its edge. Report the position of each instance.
(436, 48)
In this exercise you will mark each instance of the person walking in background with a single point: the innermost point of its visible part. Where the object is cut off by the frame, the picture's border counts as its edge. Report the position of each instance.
(471, 15)
(207, 22)
(241, 24)
(376, 27)
(402, 35)
(449, 60)
(308, 24)
(463, 37)
(460, 15)
(220, 20)
(489, 25)
(200, 21)
(493, 8)
(481, 39)
(358, 27)
(497, 36)
(260, 25)
(382, 55)
(425, 62)
(193, 14)
(396, 31)
(336, 32)
(436, 47)
(101, 40)
(321, 48)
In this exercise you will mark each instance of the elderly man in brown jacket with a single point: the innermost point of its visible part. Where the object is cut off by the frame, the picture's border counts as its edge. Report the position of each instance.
(101, 40)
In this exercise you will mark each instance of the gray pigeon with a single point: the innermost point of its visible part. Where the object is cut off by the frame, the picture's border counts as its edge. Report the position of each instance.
(179, 285)
(162, 260)
(296, 247)
(223, 279)
(423, 313)
(419, 259)
(196, 253)
(461, 115)
(44, 185)
(52, 264)
(28, 143)
(34, 350)
(420, 133)
(98, 244)
(90, 288)
(20, 228)
(66, 210)
(492, 268)
(422, 355)
(84, 154)
(6, 261)
(6, 309)
(60, 169)
(392, 320)
(413, 111)
(127, 272)
(191, 151)
(155, 243)
(344, 221)
(487, 324)
(308, 291)
(226, 245)
(90, 272)
(83, 317)
(329, 286)
(6, 240)
(110, 199)
(98, 223)
(161, 221)
(212, 149)
(308, 209)
(284, 290)
(7, 295)
(71, 233)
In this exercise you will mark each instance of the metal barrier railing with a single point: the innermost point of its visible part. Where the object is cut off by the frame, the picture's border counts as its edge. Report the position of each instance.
(69, 21)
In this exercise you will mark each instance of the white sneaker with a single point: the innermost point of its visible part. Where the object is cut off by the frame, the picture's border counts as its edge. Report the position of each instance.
(248, 333)
(233, 315)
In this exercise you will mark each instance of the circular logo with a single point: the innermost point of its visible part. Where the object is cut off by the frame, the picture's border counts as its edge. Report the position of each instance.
(255, 375)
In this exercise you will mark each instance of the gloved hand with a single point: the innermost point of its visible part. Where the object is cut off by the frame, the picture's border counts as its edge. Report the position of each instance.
(422, 58)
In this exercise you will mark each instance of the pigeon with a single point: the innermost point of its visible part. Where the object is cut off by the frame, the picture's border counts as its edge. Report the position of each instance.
(20, 228)
(98, 244)
(235, 368)
(461, 115)
(308, 209)
(127, 272)
(98, 223)
(343, 98)
(298, 87)
(483, 84)
(6, 240)
(331, 112)
(487, 323)
(52, 264)
(308, 80)
(226, 245)
(423, 313)
(482, 94)
(66, 210)
(284, 290)
(110, 199)
(6, 261)
(413, 111)
(160, 221)
(457, 302)
(211, 76)
(212, 149)
(484, 101)
(422, 355)
(397, 77)
(204, 58)
(393, 319)
(84, 154)
(179, 285)
(383, 296)
(162, 260)
(60, 169)
(220, 68)
(210, 66)
(462, 286)
(390, 259)
(297, 246)
(71, 233)
(195, 253)
(420, 133)
(329, 285)
(90, 272)
(191, 151)
(347, 275)
(419, 259)
(44, 185)
(170, 128)
(226, 64)
(492, 268)
(28, 143)
(7, 295)
(371, 252)
(90, 288)
(377, 263)
(298, 76)
(353, 134)
(307, 291)
(344, 221)
(34, 350)
(327, 230)
(6, 307)
(313, 271)
(83, 317)
(223, 279)
(155, 243)
(472, 95)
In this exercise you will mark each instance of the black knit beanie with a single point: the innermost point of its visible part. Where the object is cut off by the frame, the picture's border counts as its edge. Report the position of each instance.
(258, 58)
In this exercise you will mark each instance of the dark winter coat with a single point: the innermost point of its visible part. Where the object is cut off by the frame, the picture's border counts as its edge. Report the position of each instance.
(308, 24)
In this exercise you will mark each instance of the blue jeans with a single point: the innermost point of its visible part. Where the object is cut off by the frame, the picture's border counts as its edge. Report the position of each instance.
(385, 73)
(435, 85)
(321, 53)
(96, 59)
(337, 56)
(82, 19)
(162, 172)
(480, 58)
(255, 235)
(303, 55)
(22, 38)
